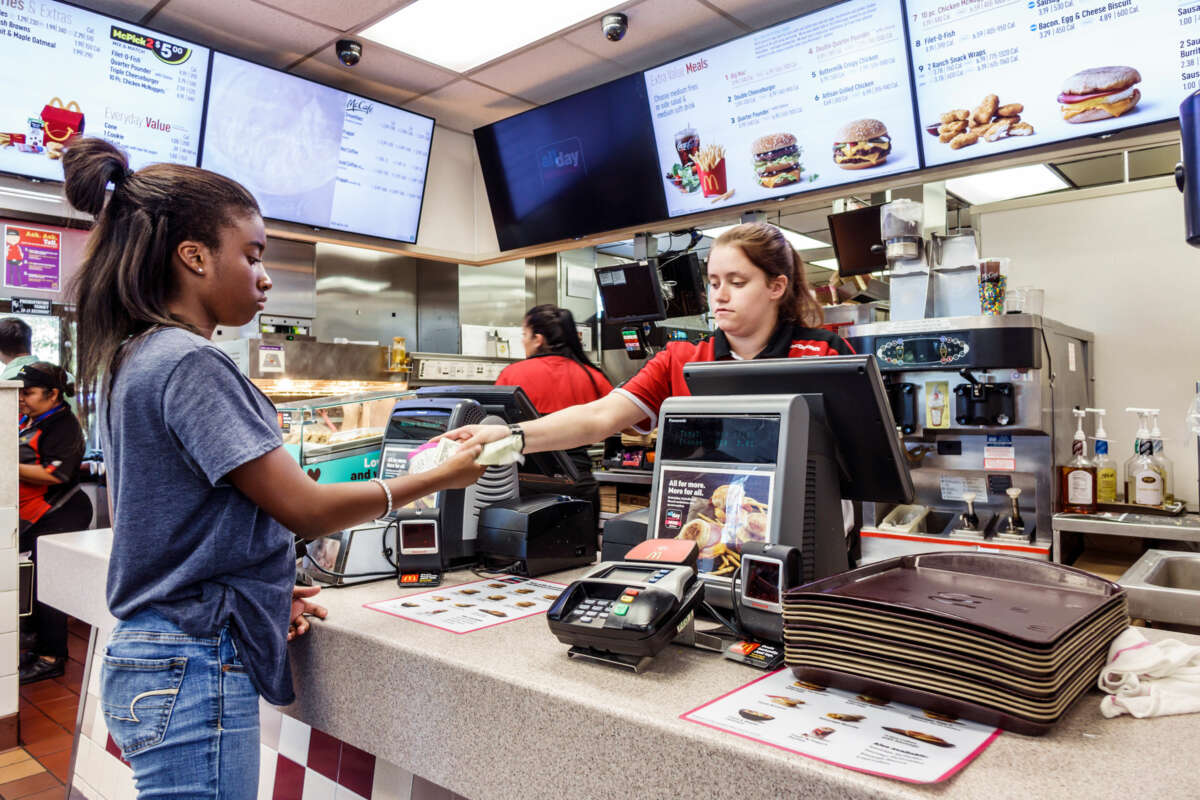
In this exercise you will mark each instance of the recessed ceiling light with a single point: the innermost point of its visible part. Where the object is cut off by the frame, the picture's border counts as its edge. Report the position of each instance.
(462, 34)
(1005, 184)
(797, 240)
(826, 263)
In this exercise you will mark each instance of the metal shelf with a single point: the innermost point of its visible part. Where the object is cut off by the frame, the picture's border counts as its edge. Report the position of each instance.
(624, 476)
(1184, 528)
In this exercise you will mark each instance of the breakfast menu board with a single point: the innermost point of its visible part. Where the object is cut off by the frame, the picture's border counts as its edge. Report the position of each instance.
(857, 731)
(69, 71)
(476, 605)
(999, 75)
(815, 102)
(314, 154)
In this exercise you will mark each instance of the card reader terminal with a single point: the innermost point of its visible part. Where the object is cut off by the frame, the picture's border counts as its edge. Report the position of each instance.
(626, 607)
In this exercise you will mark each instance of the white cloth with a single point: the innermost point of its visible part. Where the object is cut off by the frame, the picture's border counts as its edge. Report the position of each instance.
(1150, 679)
(501, 452)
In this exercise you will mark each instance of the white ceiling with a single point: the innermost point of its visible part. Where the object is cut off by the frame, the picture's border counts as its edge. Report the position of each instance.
(299, 36)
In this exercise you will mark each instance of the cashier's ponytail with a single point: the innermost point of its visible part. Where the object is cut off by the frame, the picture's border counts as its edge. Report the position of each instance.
(766, 247)
(127, 277)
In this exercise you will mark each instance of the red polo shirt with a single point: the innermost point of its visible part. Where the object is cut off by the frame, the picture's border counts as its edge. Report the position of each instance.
(553, 383)
(662, 376)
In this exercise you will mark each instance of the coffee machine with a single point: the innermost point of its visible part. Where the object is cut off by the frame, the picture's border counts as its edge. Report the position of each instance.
(983, 404)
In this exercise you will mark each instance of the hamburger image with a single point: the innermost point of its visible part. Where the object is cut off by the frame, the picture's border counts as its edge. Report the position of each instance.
(1099, 93)
(776, 160)
(861, 143)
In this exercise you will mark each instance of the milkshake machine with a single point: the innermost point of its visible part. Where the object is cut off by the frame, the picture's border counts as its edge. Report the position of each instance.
(983, 404)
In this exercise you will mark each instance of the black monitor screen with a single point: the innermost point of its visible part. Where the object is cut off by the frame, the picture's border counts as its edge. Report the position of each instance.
(418, 536)
(417, 425)
(854, 234)
(579, 165)
(855, 406)
(630, 293)
(688, 289)
(725, 439)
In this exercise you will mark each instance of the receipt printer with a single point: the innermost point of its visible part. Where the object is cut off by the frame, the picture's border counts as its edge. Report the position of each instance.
(546, 533)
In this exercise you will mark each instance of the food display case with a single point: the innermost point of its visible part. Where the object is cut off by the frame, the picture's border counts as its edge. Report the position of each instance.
(337, 439)
(289, 369)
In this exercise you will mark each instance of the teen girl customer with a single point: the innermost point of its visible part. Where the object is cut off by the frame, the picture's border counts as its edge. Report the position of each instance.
(205, 498)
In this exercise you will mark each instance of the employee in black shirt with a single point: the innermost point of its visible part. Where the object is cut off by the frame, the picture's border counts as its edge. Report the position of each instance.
(50, 450)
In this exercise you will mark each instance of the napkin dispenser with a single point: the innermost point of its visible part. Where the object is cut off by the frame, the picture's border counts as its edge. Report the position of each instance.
(538, 534)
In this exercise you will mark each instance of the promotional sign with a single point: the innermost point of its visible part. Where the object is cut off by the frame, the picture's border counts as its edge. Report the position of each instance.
(32, 258)
(998, 75)
(857, 731)
(314, 154)
(718, 509)
(476, 605)
(69, 71)
(815, 102)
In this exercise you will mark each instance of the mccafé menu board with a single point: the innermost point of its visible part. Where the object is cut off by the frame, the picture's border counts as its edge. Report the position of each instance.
(314, 154)
(68, 71)
(815, 102)
(1000, 75)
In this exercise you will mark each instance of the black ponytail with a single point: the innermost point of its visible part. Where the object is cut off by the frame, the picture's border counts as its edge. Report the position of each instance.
(557, 327)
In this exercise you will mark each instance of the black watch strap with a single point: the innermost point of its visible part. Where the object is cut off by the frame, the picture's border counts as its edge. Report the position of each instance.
(516, 430)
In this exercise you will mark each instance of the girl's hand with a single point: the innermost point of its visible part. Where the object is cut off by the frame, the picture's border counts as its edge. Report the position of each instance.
(301, 606)
(460, 470)
(472, 435)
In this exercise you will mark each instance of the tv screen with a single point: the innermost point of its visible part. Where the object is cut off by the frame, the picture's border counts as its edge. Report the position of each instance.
(577, 166)
(69, 71)
(316, 155)
(1025, 77)
(630, 293)
(854, 233)
(818, 101)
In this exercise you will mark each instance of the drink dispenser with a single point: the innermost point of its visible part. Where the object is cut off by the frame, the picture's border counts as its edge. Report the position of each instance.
(1187, 174)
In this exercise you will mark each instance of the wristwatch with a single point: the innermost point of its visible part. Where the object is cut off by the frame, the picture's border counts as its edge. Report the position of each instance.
(516, 430)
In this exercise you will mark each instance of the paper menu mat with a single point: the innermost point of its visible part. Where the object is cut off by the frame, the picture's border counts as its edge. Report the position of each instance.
(476, 605)
(836, 726)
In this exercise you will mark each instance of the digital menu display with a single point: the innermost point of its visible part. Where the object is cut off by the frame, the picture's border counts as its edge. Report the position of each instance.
(819, 101)
(999, 75)
(69, 71)
(314, 154)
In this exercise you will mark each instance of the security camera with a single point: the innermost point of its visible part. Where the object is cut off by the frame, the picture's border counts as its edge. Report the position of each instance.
(614, 26)
(349, 52)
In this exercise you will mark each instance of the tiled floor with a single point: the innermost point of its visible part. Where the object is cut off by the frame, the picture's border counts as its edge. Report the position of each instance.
(38, 768)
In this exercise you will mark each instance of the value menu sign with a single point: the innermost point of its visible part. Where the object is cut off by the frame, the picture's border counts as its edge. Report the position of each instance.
(69, 71)
(32, 258)
(998, 75)
(815, 102)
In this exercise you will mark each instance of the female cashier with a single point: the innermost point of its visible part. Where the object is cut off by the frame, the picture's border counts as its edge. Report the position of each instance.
(763, 307)
(557, 374)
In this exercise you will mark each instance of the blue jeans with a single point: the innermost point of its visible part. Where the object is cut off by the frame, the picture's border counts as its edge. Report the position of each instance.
(182, 709)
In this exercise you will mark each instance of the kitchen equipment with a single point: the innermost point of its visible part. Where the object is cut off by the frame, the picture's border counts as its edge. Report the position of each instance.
(537, 534)
(911, 291)
(1014, 379)
(1187, 173)
(955, 259)
(1164, 586)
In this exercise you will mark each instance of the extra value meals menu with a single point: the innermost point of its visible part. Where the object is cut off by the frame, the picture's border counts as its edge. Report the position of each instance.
(69, 71)
(999, 75)
(815, 102)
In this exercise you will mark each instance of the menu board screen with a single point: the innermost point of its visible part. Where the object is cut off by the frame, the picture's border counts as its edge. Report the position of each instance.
(999, 75)
(314, 154)
(815, 102)
(69, 71)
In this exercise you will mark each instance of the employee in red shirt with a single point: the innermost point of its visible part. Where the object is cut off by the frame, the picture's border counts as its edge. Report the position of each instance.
(763, 307)
(557, 374)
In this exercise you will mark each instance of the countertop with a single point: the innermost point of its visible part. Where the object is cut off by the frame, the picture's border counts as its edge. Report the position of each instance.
(503, 714)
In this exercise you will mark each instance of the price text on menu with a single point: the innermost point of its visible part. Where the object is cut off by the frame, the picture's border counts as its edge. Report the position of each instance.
(81, 72)
(999, 75)
(821, 100)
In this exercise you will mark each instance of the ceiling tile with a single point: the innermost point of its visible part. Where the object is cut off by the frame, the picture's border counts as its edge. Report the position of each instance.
(764, 13)
(342, 16)
(464, 105)
(383, 66)
(131, 10)
(278, 39)
(659, 30)
(352, 81)
(549, 71)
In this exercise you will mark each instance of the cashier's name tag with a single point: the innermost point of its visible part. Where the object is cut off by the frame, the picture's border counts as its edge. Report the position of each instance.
(755, 654)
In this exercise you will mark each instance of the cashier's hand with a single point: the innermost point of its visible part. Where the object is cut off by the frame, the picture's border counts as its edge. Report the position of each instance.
(472, 435)
(302, 606)
(460, 470)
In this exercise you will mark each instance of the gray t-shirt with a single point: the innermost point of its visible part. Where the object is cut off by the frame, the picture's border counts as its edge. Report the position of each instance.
(186, 543)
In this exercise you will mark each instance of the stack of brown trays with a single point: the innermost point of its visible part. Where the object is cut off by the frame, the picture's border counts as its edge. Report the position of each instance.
(1002, 640)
